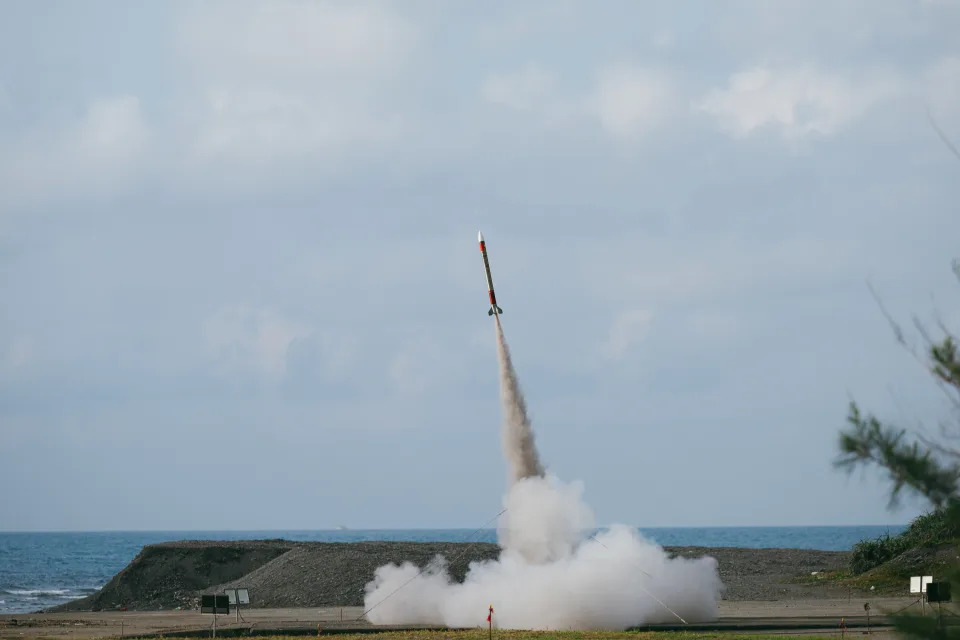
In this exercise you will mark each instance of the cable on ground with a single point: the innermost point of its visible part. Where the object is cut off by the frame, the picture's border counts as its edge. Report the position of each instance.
(662, 603)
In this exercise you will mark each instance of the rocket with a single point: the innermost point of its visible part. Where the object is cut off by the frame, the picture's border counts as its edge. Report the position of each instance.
(486, 267)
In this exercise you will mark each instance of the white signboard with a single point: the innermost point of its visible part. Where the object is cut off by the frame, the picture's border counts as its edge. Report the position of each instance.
(237, 596)
(918, 584)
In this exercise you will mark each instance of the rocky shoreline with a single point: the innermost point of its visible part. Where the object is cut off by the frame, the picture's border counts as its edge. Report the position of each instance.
(281, 573)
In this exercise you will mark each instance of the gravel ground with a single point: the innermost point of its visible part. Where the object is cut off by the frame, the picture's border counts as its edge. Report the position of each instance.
(330, 574)
(768, 574)
(317, 574)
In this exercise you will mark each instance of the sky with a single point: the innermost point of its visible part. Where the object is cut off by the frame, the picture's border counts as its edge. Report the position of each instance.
(242, 290)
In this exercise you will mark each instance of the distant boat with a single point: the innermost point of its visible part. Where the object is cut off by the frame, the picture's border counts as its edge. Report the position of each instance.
(341, 528)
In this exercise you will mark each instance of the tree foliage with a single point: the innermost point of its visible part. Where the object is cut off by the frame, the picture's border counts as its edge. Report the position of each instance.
(916, 463)
(908, 463)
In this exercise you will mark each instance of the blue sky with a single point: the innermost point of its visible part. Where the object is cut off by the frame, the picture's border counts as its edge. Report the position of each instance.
(238, 255)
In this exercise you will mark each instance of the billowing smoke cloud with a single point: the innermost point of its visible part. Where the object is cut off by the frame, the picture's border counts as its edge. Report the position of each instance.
(552, 573)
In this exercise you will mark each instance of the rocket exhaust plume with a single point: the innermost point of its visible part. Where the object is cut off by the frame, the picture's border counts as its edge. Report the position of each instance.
(552, 573)
(519, 445)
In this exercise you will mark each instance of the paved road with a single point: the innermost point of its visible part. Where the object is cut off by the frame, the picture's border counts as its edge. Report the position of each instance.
(820, 615)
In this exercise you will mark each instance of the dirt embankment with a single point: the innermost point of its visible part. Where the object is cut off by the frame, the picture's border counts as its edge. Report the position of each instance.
(281, 573)
(172, 574)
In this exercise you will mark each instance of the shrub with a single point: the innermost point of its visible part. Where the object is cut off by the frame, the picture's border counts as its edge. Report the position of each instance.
(930, 529)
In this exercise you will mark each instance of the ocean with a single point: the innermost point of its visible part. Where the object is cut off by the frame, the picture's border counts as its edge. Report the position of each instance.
(40, 570)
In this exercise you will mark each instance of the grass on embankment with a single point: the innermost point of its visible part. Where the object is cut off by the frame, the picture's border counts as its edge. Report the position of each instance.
(930, 546)
(893, 576)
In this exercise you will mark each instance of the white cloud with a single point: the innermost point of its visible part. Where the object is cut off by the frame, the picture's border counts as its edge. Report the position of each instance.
(242, 340)
(294, 40)
(533, 91)
(525, 21)
(258, 127)
(630, 100)
(627, 101)
(17, 355)
(264, 93)
(97, 153)
(525, 89)
(420, 366)
(232, 97)
(113, 131)
(714, 324)
(795, 102)
(628, 328)
(670, 271)
(940, 86)
(289, 81)
(664, 39)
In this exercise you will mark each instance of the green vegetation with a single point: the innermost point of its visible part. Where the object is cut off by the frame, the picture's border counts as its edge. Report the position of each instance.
(924, 466)
(940, 526)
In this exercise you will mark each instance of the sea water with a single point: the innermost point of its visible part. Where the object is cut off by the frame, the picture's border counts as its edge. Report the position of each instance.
(40, 570)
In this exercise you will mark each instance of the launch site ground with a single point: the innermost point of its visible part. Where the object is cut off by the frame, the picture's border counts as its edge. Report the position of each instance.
(820, 617)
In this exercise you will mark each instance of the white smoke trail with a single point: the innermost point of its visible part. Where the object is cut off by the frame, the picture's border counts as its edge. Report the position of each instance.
(550, 574)
(519, 445)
